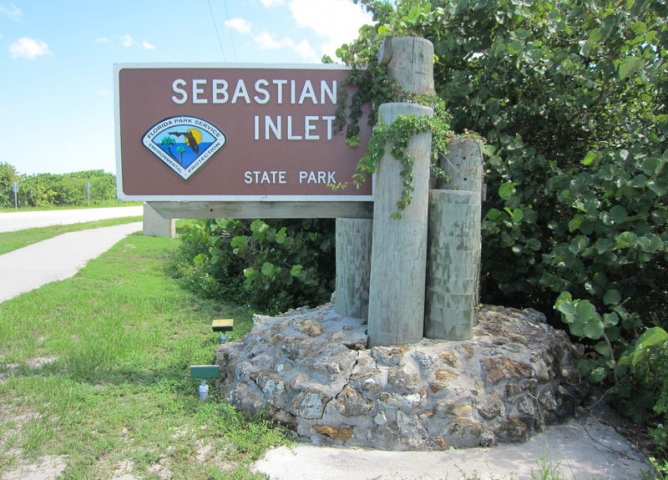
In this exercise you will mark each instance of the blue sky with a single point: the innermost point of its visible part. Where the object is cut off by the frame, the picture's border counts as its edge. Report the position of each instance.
(57, 57)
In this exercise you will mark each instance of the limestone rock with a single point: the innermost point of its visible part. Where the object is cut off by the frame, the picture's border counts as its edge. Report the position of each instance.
(312, 370)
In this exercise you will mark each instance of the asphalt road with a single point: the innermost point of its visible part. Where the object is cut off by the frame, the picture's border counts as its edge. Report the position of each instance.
(12, 221)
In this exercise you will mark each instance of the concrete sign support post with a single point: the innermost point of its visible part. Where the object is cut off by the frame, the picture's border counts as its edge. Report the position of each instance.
(399, 248)
(157, 226)
(454, 244)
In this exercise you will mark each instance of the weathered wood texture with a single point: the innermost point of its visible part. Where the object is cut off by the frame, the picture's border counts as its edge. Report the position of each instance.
(399, 248)
(463, 164)
(353, 266)
(452, 269)
(454, 245)
(252, 210)
(410, 61)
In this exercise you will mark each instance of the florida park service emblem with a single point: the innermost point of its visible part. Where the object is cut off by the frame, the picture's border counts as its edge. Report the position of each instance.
(184, 143)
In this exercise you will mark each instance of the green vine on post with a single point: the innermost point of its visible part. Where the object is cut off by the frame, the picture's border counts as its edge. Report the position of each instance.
(378, 89)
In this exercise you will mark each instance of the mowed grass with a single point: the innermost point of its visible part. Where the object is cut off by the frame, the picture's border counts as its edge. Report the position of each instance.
(95, 370)
(22, 238)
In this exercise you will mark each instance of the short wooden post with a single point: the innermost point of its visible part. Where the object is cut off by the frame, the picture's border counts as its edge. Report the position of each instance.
(353, 266)
(454, 244)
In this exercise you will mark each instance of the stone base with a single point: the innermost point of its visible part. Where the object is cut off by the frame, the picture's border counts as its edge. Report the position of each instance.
(311, 369)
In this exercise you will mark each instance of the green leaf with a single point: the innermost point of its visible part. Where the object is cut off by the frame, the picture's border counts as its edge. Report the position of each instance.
(612, 297)
(651, 337)
(296, 270)
(590, 158)
(507, 190)
(267, 269)
(610, 319)
(239, 241)
(598, 375)
(593, 328)
(281, 235)
(603, 348)
(630, 66)
(618, 214)
(494, 214)
(383, 31)
(626, 240)
(249, 272)
(588, 319)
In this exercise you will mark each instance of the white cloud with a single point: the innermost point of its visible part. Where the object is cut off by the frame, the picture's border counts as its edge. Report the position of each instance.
(239, 24)
(3, 110)
(29, 48)
(336, 21)
(13, 12)
(127, 40)
(104, 93)
(272, 3)
(102, 40)
(266, 41)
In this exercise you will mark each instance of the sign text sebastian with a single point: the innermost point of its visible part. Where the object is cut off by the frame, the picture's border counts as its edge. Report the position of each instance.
(237, 133)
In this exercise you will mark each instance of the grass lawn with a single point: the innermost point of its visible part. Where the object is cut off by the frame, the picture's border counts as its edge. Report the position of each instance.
(22, 238)
(94, 371)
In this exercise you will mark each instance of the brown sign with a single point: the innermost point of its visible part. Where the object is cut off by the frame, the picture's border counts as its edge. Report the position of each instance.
(233, 134)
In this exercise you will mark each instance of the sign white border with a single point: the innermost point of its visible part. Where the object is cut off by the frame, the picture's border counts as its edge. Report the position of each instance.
(221, 198)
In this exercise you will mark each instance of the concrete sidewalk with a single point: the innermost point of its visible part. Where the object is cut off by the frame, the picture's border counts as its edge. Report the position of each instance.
(584, 448)
(57, 258)
(13, 221)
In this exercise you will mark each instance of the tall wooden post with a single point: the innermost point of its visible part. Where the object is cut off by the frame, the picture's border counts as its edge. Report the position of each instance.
(399, 247)
(454, 244)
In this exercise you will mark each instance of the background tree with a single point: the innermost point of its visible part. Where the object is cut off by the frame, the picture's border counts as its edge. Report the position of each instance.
(8, 175)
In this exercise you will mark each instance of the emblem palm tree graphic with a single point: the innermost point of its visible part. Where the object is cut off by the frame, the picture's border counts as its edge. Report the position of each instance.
(167, 143)
(193, 138)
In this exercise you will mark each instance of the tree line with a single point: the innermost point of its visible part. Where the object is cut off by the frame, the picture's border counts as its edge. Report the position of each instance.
(56, 190)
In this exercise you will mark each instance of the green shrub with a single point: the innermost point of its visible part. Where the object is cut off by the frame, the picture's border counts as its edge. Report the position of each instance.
(643, 392)
(68, 189)
(571, 98)
(273, 265)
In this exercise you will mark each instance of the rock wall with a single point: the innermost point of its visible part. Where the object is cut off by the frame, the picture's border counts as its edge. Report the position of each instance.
(312, 370)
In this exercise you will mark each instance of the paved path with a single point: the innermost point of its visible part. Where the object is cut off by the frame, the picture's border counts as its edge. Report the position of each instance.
(582, 448)
(12, 221)
(58, 258)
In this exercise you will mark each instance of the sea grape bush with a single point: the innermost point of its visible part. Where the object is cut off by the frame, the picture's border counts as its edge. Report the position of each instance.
(273, 265)
(571, 98)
